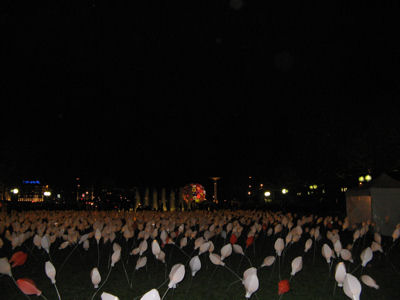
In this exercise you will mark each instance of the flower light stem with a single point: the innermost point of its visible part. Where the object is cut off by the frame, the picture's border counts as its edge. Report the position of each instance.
(58, 294)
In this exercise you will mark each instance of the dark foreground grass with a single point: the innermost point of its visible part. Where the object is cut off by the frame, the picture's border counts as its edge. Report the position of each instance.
(314, 281)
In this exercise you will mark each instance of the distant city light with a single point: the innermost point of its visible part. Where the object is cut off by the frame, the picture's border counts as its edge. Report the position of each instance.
(368, 177)
(15, 191)
(58, 196)
(267, 194)
(361, 179)
(315, 186)
(47, 193)
(248, 193)
(284, 191)
(30, 181)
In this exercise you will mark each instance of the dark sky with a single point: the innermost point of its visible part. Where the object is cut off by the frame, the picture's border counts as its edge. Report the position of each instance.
(176, 91)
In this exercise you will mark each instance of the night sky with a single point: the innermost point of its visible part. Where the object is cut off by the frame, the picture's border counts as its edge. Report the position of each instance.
(169, 92)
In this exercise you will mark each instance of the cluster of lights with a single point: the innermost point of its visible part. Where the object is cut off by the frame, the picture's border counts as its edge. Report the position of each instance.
(33, 199)
(366, 178)
(15, 191)
(313, 187)
(268, 193)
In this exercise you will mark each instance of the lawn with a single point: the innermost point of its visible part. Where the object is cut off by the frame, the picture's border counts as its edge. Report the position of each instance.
(316, 279)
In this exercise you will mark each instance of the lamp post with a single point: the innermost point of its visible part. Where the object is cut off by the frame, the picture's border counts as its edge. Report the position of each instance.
(15, 193)
(215, 179)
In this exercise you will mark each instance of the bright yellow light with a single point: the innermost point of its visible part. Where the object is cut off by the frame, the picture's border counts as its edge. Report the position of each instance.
(284, 191)
(361, 179)
(267, 194)
(15, 191)
(47, 193)
(315, 186)
(368, 177)
(311, 187)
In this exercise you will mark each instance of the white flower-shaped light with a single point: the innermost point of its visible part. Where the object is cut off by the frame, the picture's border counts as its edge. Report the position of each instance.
(50, 271)
(195, 264)
(351, 287)
(278, 246)
(95, 277)
(226, 251)
(369, 281)
(297, 265)
(107, 296)
(340, 273)
(151, 295)
(250, 281)
(176, 275)
(268, 261)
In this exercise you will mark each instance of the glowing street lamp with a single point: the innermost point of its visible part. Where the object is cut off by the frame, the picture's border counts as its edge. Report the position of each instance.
(267, 193)
(47, 193)
(368, 178)
(361, 179)
(15, 191)
(284, 191)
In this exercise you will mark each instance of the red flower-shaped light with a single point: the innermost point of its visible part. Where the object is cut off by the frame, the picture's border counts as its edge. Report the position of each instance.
(283, 286)
(28, 287)
(249, 241)
(18, 258)
(233, 239)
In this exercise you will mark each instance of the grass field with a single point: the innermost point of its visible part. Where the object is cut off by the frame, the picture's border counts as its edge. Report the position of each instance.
(315, 280)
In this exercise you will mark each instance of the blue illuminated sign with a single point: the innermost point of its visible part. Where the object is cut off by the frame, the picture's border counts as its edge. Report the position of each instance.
(30, 182)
